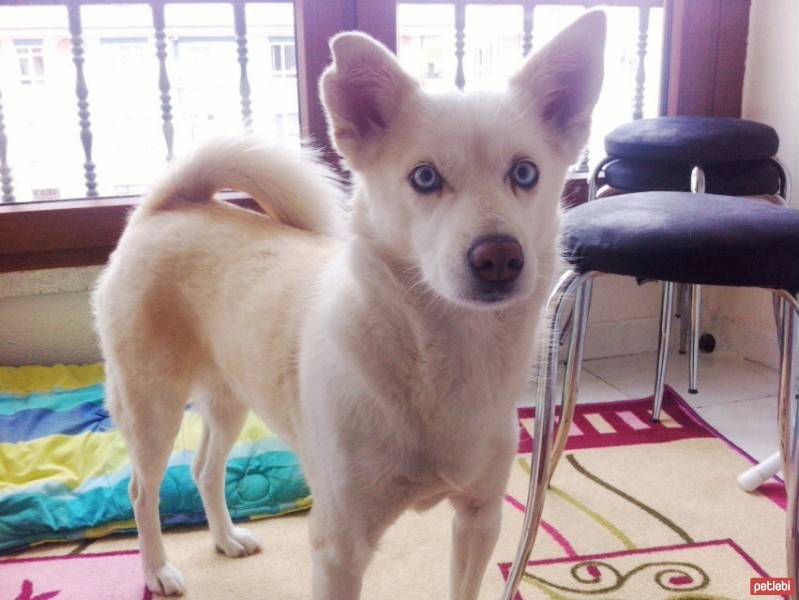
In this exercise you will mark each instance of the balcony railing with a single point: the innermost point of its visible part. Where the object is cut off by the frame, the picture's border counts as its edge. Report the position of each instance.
(145, 83)
(125, 60)
(486, 40)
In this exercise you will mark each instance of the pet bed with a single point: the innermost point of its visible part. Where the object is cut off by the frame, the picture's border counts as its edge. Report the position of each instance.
(64, 467)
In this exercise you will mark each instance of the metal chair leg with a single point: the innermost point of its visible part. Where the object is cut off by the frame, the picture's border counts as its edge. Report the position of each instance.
(544, 421)
(571, 379)
(789, 434)
(696, 328)
(663, 348)
(684, 306)
(786, 335)
(777, 306)
(690, 330)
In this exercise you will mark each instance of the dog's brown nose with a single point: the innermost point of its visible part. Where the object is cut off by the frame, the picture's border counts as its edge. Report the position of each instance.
(496, 258)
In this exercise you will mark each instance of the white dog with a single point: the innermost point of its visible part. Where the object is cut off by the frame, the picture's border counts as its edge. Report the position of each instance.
(389, 359)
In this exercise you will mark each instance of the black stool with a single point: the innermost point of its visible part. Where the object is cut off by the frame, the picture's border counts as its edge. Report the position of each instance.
(675, 237)
(711, 155)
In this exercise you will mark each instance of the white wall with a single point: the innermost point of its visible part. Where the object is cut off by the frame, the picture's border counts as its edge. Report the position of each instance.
(624, 317)
(743, 318)
(771, 82)
(45, 317)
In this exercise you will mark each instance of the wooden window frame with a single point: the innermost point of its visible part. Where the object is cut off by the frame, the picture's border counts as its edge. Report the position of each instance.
(702, 75)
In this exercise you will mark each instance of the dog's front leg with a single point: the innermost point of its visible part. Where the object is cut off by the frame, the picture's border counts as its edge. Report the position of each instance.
(475, 530)
(343, 538)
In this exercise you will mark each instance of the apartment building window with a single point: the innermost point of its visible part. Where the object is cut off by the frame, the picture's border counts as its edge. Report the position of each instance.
(284, 57)
(31, 61)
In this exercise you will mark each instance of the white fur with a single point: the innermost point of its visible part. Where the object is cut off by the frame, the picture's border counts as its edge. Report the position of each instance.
(373, 357)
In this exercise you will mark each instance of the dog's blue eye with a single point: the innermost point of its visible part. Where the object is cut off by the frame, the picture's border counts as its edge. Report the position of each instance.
(425, 179)
(524, 174)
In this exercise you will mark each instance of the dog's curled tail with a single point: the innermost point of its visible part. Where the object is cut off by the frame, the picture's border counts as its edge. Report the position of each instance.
(292, 186)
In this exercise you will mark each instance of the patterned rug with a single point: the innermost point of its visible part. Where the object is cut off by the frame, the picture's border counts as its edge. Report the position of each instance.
(648, 511)
(637, 511)
(109, 576)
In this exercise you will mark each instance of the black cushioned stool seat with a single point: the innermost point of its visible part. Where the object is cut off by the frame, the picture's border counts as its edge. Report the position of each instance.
(675, 236)
(697, 140)
(749, 178)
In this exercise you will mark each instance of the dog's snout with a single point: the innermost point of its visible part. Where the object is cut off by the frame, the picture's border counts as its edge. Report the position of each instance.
(496, 259)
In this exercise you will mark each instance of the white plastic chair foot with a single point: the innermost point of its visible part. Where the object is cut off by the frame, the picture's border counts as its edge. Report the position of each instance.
(753, 478)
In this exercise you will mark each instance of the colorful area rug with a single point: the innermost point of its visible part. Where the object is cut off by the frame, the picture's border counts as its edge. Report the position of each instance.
(637, 511)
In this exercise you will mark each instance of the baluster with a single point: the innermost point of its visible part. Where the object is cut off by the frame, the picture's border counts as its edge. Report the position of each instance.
(82, 92)
(5, 170)
(163, 79)
(640, 74)
(582, 163)
(527, 31)
(244, 81)
(460, 34)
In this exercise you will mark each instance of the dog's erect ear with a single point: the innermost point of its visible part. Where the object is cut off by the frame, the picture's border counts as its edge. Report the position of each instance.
(362, 92)
(562, 80)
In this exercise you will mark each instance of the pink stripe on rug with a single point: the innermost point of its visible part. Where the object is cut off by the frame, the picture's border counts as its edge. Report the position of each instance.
(106, 576)
(551, 531)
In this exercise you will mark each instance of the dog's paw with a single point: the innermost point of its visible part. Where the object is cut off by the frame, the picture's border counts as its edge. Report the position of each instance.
(239, 542)
(166, 581)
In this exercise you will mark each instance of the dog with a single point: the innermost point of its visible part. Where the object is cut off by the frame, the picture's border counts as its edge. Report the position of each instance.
(386, 342)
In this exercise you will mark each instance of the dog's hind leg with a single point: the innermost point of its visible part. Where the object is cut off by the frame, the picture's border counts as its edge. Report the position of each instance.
(149, 410)
(224, 416)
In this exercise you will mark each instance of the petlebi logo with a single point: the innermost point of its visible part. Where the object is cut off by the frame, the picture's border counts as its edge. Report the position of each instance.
(770, 586)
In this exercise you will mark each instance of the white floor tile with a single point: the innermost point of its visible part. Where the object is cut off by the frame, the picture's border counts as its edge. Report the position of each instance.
(721, 379)
(749, 424)
(592, 389)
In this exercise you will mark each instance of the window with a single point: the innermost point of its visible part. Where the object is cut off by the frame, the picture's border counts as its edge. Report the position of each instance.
(31, 61)
(46, 194)
(492, 40)
(287, 125)
(126, 104)
(132, 189)
(284, 57)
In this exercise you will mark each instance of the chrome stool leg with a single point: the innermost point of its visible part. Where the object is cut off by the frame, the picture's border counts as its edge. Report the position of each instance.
(696, 328)
(663, 348)
(571, 379)
(789, 433)
(542, 436)
(684, 306)
(777, 302)
(698, 186)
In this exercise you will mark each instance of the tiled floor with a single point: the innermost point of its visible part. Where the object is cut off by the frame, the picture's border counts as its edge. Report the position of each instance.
(737, 397)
